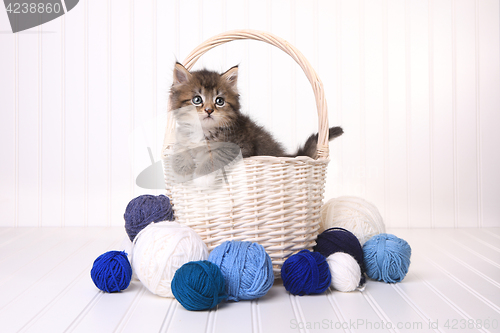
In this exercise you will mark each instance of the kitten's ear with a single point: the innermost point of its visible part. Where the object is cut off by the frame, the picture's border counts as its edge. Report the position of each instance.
(231, 76)
(181, 74)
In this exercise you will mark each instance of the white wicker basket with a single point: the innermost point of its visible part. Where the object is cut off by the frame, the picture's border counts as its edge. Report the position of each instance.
(274, 201)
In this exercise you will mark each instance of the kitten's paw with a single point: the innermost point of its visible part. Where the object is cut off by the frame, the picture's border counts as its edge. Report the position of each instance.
(182, 164)
(205, 180)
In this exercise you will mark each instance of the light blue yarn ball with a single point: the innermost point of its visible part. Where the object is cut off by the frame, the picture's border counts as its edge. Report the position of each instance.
(386, 258)
(246, 267)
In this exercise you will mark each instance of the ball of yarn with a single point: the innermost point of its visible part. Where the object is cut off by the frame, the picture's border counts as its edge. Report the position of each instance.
(145, 209)
(246, 267)
(162, 248)
(111, 271)
(345, 271)
(199, 285)
(354, 214)
(387, 258)
(341, 240)
(306, 273)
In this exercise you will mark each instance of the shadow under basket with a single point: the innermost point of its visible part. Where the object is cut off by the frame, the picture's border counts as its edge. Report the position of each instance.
(274, 201)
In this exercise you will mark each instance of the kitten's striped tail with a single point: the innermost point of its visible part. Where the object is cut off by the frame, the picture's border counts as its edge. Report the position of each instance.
(309, 148)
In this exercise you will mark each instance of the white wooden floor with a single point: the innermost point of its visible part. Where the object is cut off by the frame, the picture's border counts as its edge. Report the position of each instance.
(453, 286)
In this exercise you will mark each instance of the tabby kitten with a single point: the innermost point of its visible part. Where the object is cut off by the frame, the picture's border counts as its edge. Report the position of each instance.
(216, 99)
(194, 157)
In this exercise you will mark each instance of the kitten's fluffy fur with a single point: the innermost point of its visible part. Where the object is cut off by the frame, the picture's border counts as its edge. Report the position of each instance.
(216, 99)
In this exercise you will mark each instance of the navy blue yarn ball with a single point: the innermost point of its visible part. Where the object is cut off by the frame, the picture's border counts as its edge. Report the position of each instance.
(143, 210)
(111, 271)
(306, 273)
(199, 285)
(341, 240)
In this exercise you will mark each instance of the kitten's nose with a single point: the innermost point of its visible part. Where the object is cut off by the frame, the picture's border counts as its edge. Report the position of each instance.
(209, 110)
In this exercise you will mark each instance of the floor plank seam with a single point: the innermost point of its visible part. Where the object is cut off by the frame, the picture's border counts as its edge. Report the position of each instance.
(255, 315)
(491, 233)
(211, 320)
(35, 283)
(17, 238)
(84, 312)
(169, 315)
(34, 259)
(131, 309)
(297, 311)
(60, 295)
(378, 310)
(413, 305)
(448, 301)
(465, 286)
(479, 240)
(469, 267)
(477, 254)
(336, 309)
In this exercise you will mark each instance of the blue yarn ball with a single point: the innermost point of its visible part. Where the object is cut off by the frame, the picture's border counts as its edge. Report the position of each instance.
(341, 240)
(111, 271)
(387, 258)
(143, 210)
(306, 273)
(246, 267)
(199, 285)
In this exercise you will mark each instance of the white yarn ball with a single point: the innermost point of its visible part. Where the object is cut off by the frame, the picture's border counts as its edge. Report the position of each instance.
(160, 249)
(354, 214)
(345, 271)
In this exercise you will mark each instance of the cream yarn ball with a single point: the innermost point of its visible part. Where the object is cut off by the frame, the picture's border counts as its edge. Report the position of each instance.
(345, 271)
(354, 214)
(162, 248)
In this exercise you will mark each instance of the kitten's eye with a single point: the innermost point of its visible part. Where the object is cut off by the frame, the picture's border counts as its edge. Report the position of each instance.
(197, 100)
(219, 101)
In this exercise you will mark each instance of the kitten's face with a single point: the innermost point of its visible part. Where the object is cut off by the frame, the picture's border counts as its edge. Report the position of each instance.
(214, 95)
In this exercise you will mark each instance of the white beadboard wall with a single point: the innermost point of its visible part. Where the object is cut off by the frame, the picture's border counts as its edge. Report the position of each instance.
(415, 84)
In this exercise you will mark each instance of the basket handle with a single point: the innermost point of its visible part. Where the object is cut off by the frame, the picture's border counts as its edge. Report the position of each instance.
(317, 85)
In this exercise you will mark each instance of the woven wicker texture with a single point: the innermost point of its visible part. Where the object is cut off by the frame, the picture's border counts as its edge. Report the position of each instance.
(274, 201)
